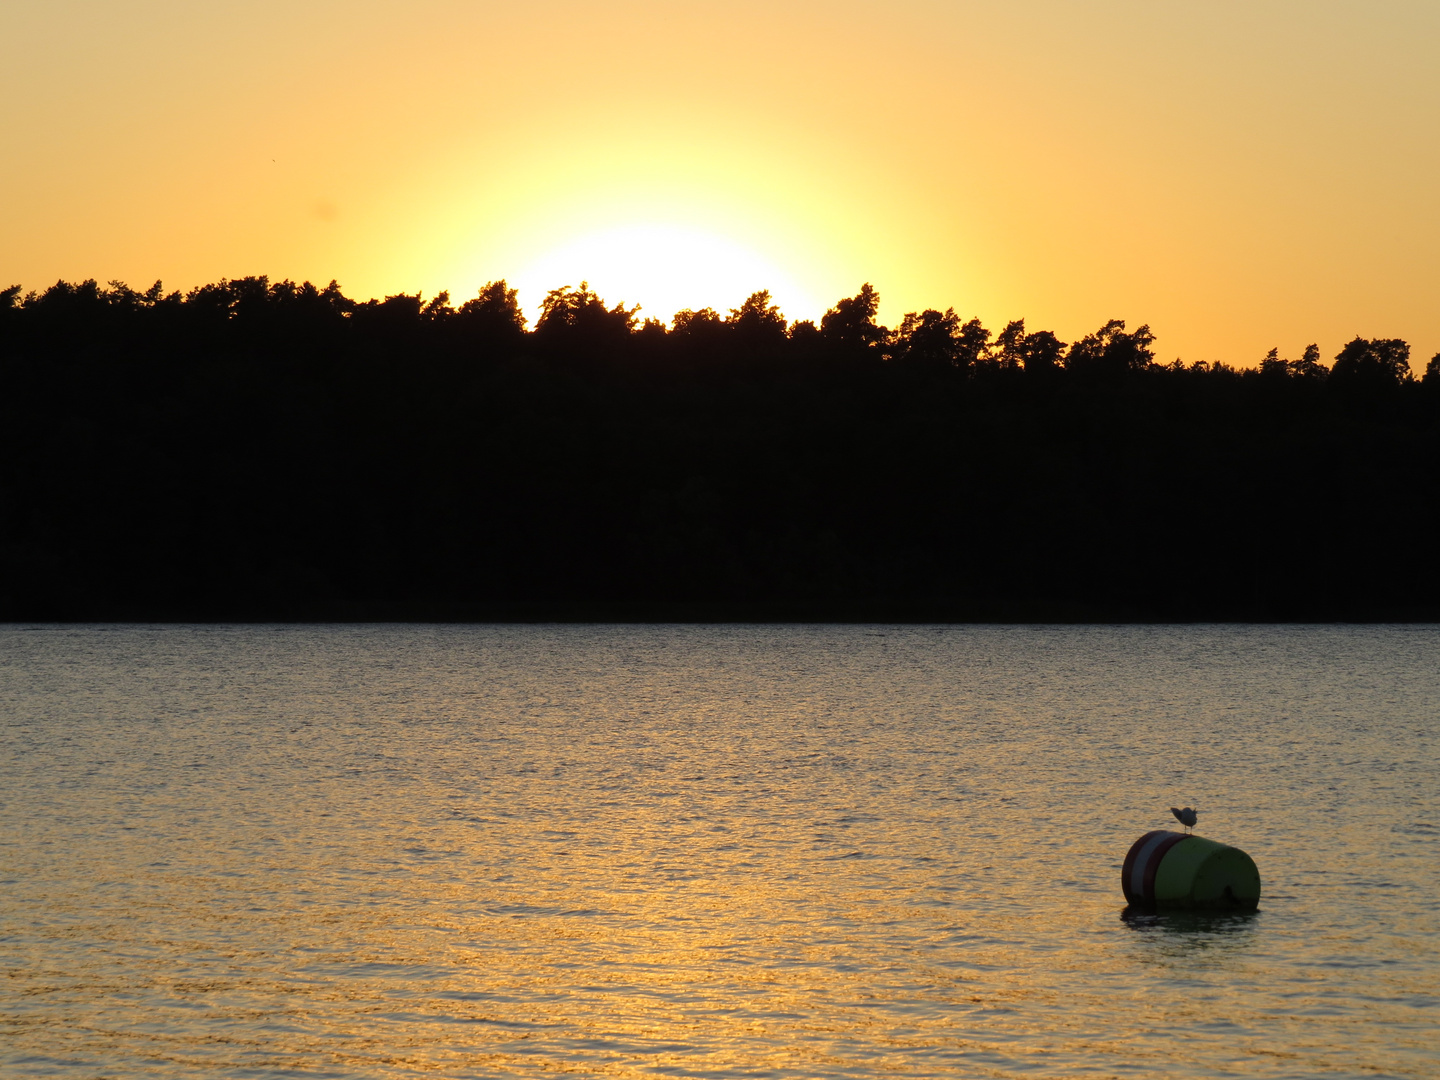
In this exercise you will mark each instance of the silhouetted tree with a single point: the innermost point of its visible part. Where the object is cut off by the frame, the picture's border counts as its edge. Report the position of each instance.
(577, 319)
(1010, 346)
(758, 322)
(933, 339)
(706, 321)
(928, 339)
(849, 327)
(494, 313)
(9, 305)
(1111, 352)
(805, 335)
(974, 343)
(1378, 362)
(1043, 353)
(1036, 354)
(1309, 365)
(438, 310)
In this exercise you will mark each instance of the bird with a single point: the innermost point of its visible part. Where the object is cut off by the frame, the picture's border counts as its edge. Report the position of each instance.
(1186, 816)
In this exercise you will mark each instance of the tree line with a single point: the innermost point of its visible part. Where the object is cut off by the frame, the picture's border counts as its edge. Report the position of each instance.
(272, 450)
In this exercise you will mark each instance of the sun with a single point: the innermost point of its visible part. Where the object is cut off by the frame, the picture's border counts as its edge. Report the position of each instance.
(663, 268)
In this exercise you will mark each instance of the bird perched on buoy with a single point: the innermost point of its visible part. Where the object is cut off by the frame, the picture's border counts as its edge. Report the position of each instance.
(1186, 817)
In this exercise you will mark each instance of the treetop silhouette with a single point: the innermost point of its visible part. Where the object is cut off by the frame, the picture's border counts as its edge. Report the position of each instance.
(259, 449)
(576, 318)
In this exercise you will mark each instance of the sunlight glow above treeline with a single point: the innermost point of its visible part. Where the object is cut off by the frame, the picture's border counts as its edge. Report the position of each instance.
(669, 266)
(1239, 176)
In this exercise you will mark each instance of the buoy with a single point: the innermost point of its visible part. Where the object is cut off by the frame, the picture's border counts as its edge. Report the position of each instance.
(1167, 869)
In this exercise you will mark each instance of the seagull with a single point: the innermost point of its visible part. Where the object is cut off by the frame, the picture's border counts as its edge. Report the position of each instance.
(1186, 817)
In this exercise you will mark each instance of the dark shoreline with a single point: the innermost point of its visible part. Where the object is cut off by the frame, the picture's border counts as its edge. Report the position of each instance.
(271, 452)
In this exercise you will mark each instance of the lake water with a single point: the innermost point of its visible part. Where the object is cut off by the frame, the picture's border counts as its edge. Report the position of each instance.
(620, 851)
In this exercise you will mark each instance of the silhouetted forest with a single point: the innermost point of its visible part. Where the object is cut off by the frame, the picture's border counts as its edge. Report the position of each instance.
(258, 450)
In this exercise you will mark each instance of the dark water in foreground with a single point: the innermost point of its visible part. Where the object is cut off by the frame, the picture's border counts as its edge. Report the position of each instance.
(700, 851)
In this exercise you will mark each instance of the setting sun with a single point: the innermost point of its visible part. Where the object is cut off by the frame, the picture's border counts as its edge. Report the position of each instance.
(975, 155)
(664, 268)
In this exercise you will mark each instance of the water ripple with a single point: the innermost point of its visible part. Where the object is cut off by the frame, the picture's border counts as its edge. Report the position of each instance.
(709, 851)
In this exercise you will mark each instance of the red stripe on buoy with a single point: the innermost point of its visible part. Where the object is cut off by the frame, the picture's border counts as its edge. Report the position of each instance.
(1161, 849)
(1137, 876)
(1129, 883)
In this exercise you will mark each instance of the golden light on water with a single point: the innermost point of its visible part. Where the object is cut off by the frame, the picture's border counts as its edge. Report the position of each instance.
(631, 851)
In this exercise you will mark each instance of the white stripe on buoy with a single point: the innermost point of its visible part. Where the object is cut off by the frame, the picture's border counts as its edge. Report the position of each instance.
(1142, 860)
(1168, 870)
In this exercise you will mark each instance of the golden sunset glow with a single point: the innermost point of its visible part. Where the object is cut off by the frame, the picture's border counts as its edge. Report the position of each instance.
(1238, 176)
(670, 266)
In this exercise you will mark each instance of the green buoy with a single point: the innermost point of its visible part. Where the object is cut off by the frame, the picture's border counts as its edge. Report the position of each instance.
(1170, 870)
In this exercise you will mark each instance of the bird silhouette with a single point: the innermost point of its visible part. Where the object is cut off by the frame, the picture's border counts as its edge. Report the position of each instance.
(1186, 816)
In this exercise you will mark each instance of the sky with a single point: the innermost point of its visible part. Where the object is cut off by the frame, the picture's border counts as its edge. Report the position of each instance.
(1238, 175)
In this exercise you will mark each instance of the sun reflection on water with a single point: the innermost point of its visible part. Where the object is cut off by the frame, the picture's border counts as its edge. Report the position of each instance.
(382, 852)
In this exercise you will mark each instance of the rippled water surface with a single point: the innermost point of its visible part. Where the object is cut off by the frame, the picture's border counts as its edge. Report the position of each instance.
(710, 851)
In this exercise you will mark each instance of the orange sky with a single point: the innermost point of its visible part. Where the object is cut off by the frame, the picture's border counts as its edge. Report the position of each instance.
(1238, 175)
